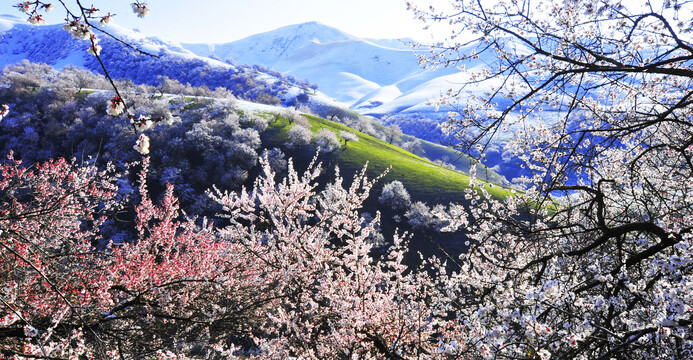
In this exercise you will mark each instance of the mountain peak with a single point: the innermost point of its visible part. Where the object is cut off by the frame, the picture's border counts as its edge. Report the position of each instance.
(309, 32)
(312, 24)
(275, 44)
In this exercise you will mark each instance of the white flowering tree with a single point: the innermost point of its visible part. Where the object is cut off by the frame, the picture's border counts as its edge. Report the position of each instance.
(348, 136)
(395, 196)
(594, 260)
(326, 140)
(298, 136)
(392, 133)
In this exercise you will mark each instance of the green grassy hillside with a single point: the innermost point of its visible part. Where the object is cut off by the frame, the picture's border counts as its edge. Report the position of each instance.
(461, 162)
(424, 180)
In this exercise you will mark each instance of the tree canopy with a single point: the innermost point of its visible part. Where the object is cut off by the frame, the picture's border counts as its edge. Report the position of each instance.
(594, 99)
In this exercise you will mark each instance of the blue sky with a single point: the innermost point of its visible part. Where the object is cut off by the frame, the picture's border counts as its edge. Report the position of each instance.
(227, 20)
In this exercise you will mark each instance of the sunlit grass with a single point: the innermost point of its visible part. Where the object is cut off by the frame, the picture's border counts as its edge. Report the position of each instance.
(430, 182)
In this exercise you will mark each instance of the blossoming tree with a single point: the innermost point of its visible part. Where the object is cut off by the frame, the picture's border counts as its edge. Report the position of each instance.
(593, 260)
(290, 274)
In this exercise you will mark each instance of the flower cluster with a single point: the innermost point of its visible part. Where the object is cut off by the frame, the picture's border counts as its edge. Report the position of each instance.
(116, 106)
(91, 12)
(167, 119)
(78, 29)
(94, 48)
(141, 124)
(9, 319)
(4, 110)
(32, 7)
(30, 331)
(140, 8)
(25, 6)
(142, 144)
(106, 19)
(36, 19)
(82, 30)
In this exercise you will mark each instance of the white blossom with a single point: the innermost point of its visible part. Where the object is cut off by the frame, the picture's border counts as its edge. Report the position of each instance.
(4, 110)
(143, 123)
(116, 106)
(141, 9)
(9, 319)
(167, 119)
(142, 144)
(95, 49)
(78, 30)
(544, 354)
(30, 331)
(36, 19)
(92, 12)
(24, 6)
(106, 19)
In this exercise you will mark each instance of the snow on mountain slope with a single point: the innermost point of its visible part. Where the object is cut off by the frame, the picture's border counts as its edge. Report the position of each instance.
(420, 98)
(377, 98)
(365, 74)
(345, 67)
(52, 45)
(8, 21)
(272, 46)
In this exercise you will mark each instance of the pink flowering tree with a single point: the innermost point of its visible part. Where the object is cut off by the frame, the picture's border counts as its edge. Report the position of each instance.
(69, 293)
(593, 260)
(49, 221)
(290, 274)
(65, 294)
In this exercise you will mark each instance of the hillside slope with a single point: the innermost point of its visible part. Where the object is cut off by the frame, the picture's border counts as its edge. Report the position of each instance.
(346, 67)
(425, 180)
(312, 47)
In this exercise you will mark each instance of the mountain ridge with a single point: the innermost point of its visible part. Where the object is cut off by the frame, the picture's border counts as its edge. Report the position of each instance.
(346, 67)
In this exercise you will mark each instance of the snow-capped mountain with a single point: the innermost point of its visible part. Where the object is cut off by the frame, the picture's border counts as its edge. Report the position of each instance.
(373, 77)
(54, 46)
